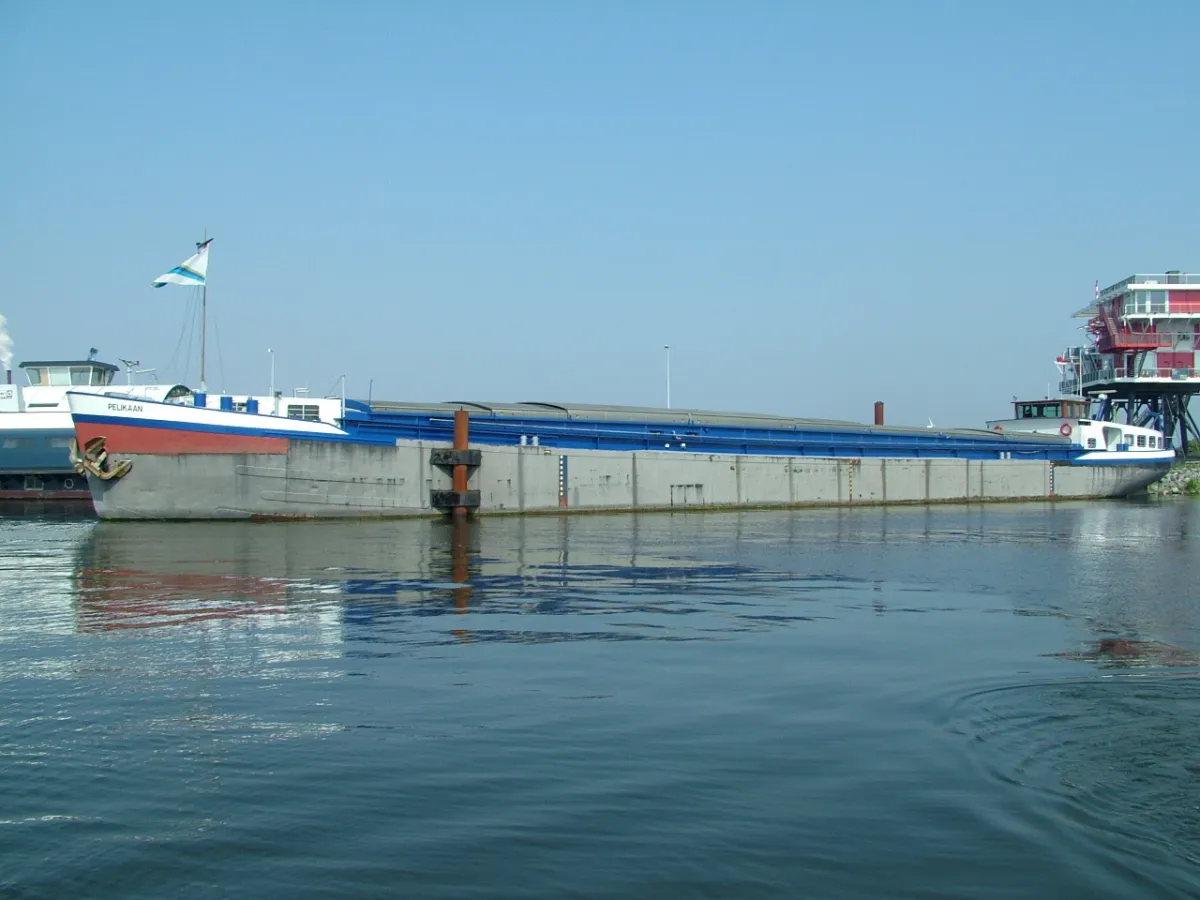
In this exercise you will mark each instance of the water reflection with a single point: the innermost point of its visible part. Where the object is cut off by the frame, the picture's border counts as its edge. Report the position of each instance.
(1123, 653)
(488, 573)
(1123, 569)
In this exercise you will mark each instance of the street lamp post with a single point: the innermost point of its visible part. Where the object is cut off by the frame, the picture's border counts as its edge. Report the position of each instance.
(667, 347)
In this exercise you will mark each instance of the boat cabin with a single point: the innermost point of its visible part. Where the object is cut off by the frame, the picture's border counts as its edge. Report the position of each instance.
(1050, 409)
(69, 373)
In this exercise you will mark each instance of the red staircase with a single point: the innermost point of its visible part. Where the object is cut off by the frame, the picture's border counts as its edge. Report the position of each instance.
(1112, 337)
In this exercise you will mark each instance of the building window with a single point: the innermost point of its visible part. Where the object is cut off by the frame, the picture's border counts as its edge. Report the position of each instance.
(1091, 445)
(306, 411)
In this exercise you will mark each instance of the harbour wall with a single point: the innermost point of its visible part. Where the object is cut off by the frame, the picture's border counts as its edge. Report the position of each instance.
(319, 479)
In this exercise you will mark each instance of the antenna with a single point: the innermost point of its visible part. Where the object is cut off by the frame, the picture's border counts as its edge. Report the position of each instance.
(130, 365)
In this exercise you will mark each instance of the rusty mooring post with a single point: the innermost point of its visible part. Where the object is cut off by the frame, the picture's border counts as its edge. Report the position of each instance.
(459, 460)
(878, 412)
(461, 439)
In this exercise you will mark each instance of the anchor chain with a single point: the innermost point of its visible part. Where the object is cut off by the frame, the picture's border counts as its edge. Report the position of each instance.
(94, 460)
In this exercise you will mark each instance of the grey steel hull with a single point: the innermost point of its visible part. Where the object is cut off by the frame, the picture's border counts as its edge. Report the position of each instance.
(316, 479)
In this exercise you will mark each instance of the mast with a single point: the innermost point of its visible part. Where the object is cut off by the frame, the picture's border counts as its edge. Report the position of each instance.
(193, 272)
(203, 318)
(203, 332)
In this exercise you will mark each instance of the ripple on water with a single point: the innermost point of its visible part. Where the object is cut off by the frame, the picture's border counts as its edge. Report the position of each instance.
(1109, 762)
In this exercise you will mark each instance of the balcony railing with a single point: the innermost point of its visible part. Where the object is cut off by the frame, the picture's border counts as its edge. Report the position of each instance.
(1165, 278)
(1139, 306)
(1157, 284)
(1154, 278)
(1069, 384)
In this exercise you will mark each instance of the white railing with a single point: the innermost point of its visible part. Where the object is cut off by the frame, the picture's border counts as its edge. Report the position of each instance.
(1148, 373)
(1165, 278)
(1145, 306)
(1157, 280)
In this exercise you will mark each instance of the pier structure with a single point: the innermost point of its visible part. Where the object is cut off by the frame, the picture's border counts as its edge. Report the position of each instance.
(1139, 365)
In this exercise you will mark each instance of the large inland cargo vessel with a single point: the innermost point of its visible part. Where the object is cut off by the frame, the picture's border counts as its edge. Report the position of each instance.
(178, 461)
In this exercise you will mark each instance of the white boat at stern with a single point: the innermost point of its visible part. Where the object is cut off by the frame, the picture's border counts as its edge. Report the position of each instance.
(1098, 443)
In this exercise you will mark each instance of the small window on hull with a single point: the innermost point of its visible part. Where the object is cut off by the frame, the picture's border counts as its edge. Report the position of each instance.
(1091, 444)
(308, 412)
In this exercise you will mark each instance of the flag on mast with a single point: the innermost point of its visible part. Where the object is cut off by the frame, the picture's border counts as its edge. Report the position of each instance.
(191, 271)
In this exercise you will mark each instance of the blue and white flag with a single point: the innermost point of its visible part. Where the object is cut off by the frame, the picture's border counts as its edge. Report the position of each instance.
(191, 271)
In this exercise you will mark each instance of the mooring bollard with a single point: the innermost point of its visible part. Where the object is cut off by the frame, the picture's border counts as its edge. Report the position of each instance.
(459, 459)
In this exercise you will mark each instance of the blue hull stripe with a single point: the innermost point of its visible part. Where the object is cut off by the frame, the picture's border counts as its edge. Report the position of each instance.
(1125, 459)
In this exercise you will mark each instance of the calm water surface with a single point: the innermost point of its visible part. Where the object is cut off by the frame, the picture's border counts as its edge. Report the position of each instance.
(949, 702)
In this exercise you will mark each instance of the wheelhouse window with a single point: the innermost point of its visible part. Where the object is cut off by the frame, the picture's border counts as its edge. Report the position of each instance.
(85, 374)
(1051, 410)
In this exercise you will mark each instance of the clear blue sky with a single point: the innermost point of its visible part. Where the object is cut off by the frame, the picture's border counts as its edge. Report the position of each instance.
(816, 205)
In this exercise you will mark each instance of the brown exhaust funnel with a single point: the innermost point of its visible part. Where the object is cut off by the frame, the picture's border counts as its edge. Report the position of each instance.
(878, 412)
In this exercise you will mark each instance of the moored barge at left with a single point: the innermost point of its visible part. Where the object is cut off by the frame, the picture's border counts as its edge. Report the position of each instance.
(36, 430)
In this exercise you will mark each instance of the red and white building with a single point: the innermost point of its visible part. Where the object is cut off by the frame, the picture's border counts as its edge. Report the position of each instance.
(1140, 365)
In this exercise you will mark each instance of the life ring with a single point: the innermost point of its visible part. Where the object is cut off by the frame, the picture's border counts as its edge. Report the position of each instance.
(1065, 429)
(68, 483)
